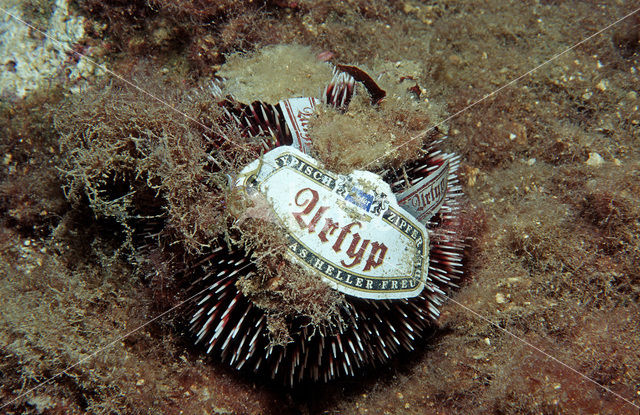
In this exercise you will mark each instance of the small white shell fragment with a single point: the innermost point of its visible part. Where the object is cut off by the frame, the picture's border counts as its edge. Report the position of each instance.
(602, 85)
(595, 159)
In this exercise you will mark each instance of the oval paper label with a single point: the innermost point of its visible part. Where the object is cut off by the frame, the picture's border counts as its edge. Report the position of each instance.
(349, 229)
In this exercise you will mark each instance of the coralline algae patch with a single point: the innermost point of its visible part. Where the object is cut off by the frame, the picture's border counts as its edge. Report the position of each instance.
(29, 58)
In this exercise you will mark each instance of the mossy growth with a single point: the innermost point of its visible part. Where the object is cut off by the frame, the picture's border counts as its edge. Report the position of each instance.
(274, 73)
(367, 137)
(165, 179)
(136, 159)
(285, 291)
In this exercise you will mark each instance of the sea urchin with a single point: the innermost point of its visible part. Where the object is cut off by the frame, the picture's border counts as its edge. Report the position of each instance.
(366, 286)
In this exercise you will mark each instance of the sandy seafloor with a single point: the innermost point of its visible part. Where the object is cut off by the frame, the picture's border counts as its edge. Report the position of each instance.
(550, 173)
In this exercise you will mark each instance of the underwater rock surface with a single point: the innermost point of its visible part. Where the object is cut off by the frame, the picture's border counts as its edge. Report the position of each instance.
(30, 58)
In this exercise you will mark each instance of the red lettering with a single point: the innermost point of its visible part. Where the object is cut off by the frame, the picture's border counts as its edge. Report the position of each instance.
(372, 262)
(310, 204)
(316, 218)
(329, 227)
(308, 199)
(337, 246)
(351, 251)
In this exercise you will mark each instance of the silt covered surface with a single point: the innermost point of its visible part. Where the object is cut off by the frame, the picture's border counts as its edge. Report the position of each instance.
(550, 169)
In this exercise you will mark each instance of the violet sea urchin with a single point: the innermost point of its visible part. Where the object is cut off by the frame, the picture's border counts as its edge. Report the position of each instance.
(263, 311)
